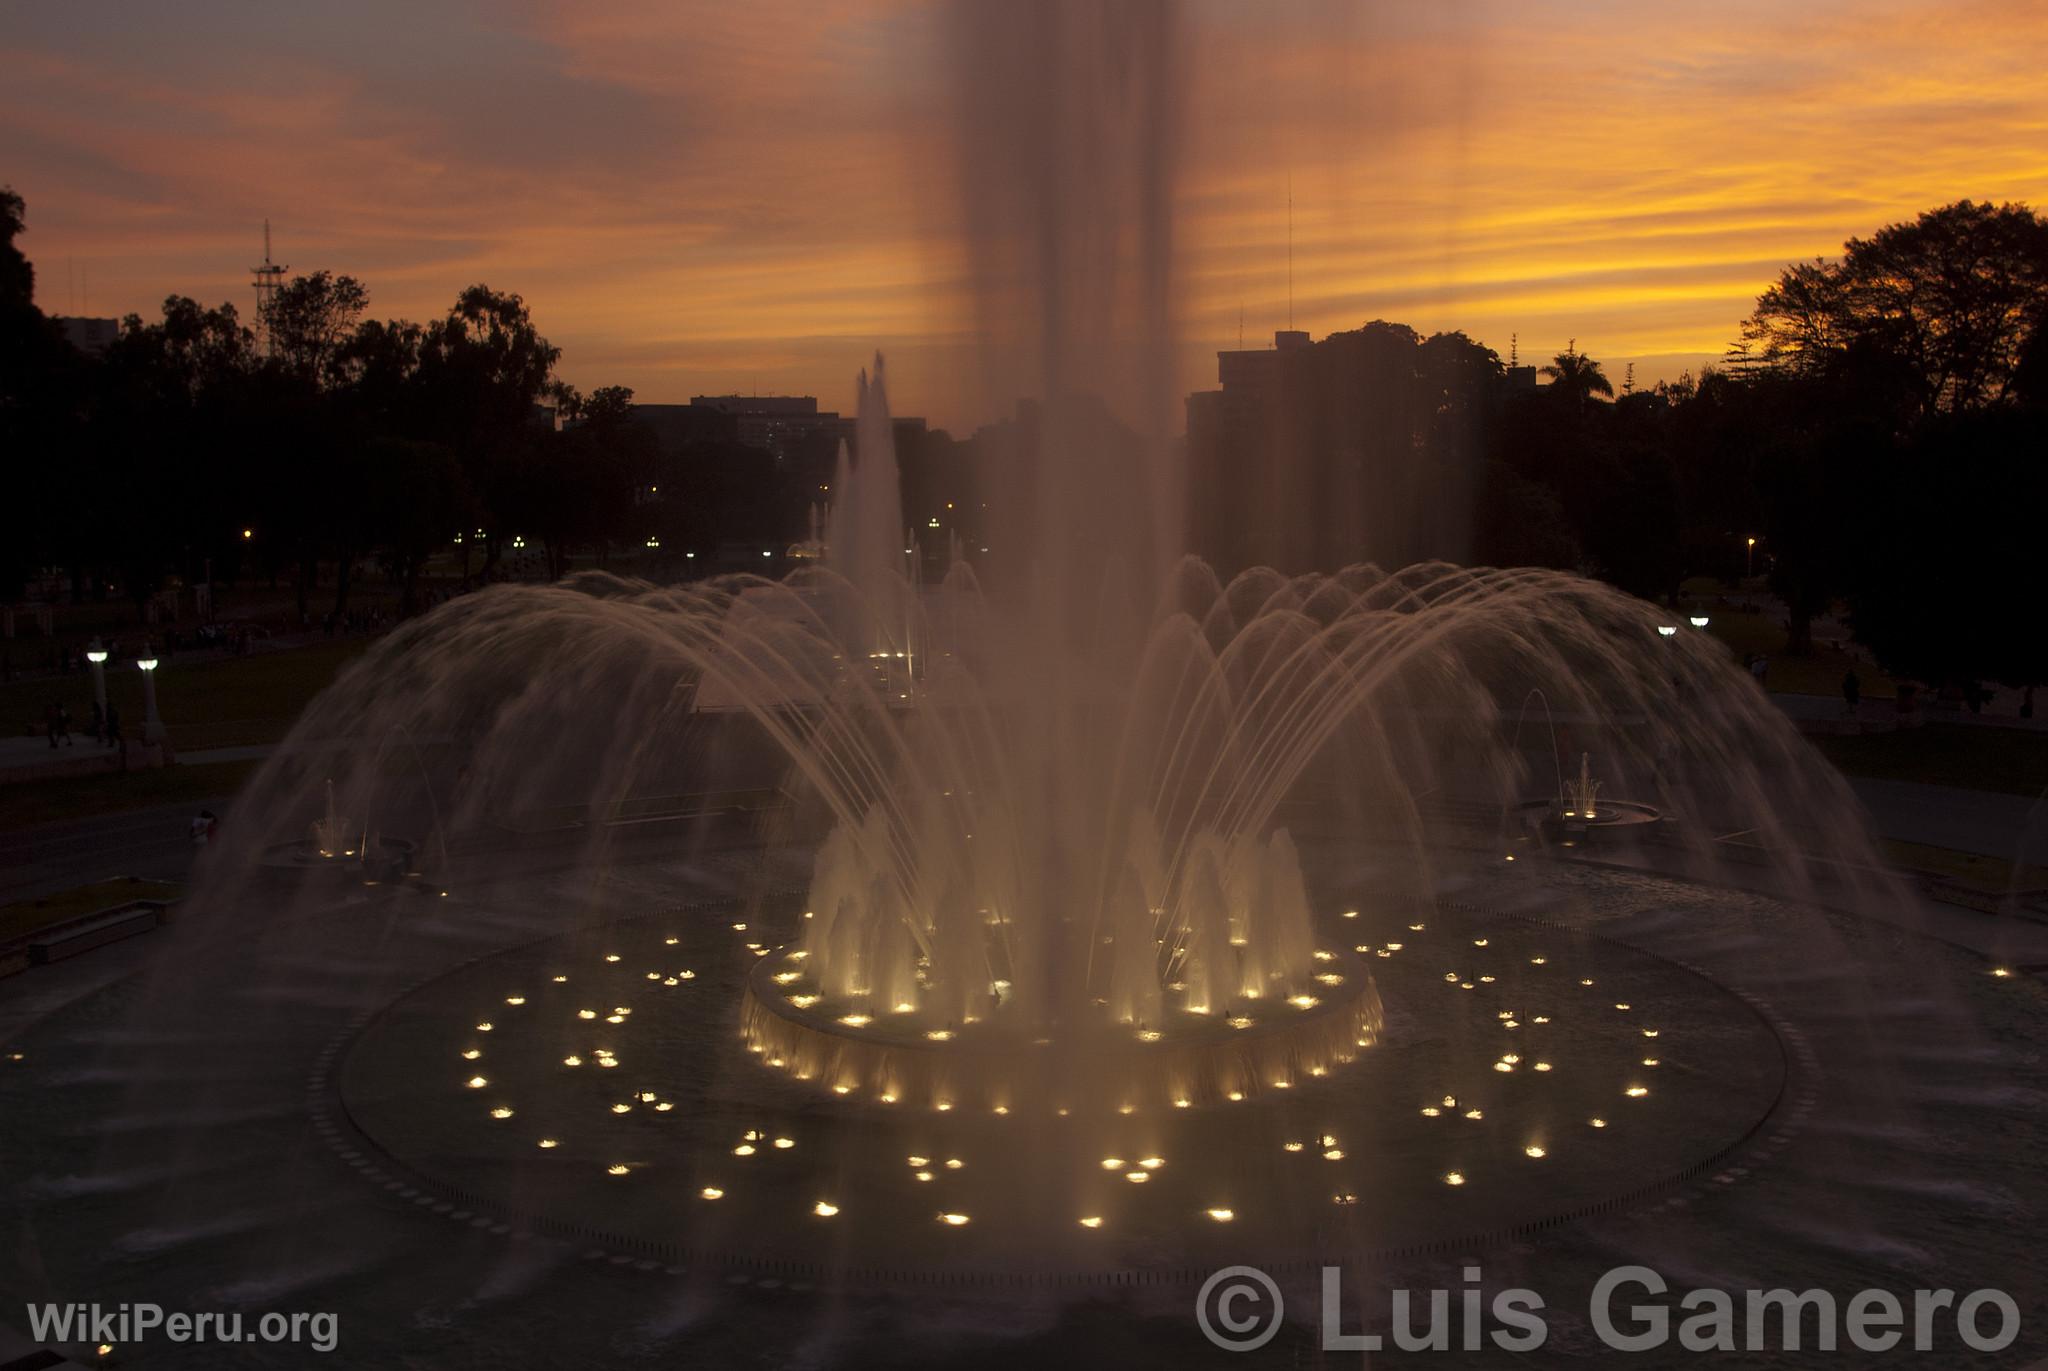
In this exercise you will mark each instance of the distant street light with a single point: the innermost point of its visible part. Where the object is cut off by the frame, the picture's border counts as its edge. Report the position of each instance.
(247, 534)
(1751, 564)
(152, 726)
(1667, 630)
(1699, 621)
(97, 655)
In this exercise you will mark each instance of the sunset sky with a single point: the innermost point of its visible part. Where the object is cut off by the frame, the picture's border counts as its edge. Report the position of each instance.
(713, 197)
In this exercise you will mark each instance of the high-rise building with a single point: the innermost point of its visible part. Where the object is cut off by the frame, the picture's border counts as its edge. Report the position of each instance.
(89, 335)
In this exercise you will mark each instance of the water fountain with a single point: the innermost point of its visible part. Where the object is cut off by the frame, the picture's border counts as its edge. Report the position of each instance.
(333, 843)
(1154, 921)
(1579, 813)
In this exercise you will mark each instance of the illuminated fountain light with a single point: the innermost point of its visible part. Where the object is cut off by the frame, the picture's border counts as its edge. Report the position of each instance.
(1542, 1066)
(617, 1169)
(953, 1220)
(824, 1209)
(1636, 1092)
(1454, 1178)
(611, 956)
(954, 1163)
(622, 1108)
(1091, 1221)
(922, 1175)
(561, 980)
(1475, 1114)
(1533, 1150)
(711, 1192)
(784, 1144)
(484, 1027)
(1650, 1061)
(501, 1112)
(476, 1082)
(586, 1013)
(1137, 1177)
(1597, 1123)
(743, 1150)
(515, 999)
(1221, 1215)
(547, 1144)
(1649, 1033)
(471, 1054)
(1152, 1163)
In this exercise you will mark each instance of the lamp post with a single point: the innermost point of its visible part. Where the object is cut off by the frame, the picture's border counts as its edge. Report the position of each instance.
(1750, 563)
(152, 726)
(96, 654)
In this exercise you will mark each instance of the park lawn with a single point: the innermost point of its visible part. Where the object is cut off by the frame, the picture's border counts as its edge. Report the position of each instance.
(28, 803)
(1817, 673)
(27, 916)
(2010, 761)
(222, 703)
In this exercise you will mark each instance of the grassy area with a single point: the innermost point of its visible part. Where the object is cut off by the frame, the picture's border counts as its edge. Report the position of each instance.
(1992, 875)
(84, 797)
(221, 703)
(1817, 673)
(26, 916)
(2010, 761)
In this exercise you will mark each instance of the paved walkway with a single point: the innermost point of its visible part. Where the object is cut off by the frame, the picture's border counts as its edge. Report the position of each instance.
(1991, 825)
(151, 843)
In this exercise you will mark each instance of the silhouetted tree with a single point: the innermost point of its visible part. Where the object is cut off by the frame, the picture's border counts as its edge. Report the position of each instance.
(1953, 297)
(1577, 378)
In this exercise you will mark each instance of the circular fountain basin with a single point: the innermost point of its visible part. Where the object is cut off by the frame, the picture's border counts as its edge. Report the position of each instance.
(1623, 819)
(1191, 1058)
(381, 859)
(599, 1086)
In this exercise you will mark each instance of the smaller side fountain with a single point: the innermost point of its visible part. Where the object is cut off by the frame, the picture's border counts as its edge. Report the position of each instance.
(1581, 795)
(1578, 814)
(333, 844)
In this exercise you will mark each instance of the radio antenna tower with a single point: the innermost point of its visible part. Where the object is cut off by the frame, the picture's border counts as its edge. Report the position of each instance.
(1290, 249)
(268, 278)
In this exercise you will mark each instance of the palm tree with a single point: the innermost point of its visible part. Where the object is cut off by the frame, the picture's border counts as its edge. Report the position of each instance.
(1576, 377)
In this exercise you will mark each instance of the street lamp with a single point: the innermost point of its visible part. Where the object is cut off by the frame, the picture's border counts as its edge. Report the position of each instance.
(1750, 565)
(1667, 630)
(1699, 621)
(152, 726)
(96, 653)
